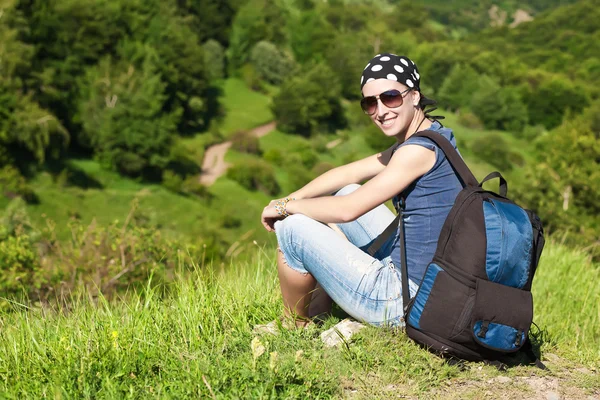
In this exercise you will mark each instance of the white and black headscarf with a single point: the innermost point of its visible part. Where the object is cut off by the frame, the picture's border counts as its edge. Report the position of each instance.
(395, 68)
(392, 67)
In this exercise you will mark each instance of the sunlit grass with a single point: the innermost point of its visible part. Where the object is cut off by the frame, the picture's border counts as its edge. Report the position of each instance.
(196, 342)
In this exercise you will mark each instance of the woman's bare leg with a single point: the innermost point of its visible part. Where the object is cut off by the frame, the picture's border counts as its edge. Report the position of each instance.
(320, 303)
(296, 290)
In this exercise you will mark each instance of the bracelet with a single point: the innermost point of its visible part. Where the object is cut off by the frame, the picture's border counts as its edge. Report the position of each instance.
(280, 206)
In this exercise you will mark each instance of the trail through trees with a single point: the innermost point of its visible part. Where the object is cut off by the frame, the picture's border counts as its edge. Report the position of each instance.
(214, 165)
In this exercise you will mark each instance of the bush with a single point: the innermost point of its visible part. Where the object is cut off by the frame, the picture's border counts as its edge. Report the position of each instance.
(13, 184)
(376, 139)
(303, 106)
(468, 119)
(19, 260)
(321, 168)
(493, 149)
(302, 154)
(255, 175)
(172, 181)
(214, 60)
(251, 78)
(274, 156)
(246, 142)
(499, 107)
(270, 63)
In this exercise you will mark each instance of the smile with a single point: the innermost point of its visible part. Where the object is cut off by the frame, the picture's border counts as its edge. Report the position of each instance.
(388, 122)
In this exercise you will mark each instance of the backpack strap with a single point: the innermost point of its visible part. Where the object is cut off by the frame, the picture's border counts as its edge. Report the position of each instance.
(464, 173)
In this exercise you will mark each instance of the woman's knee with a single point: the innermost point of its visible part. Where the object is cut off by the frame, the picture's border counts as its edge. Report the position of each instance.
(347, 189)
(293, 226)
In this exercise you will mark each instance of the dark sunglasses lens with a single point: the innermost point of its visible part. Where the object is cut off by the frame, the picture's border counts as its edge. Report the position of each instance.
(369, 104)
(391, 98)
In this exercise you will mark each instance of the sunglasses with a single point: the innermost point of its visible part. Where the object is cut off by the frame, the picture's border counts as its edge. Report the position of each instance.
(390, 98)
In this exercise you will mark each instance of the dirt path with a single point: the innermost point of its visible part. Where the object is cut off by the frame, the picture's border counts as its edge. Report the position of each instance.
(214, 165)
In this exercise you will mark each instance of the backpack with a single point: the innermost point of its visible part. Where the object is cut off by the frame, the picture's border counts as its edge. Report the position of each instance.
(475, 302)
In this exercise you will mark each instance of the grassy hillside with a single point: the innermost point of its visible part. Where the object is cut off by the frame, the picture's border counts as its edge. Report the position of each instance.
(199, 343)
(106, 196)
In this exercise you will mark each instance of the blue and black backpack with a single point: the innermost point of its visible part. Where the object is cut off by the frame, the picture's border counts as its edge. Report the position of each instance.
(475, 301)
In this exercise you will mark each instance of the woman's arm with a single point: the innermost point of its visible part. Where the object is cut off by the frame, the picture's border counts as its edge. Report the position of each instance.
(407, 164)
(336, 178)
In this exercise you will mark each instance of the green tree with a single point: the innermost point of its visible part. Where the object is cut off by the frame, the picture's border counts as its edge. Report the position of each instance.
(124, 119)
(563, 184)
(457, 90)
(214, 60)
(499, 107)
(549, 101)
(303, 106)
(255, 21)
(271, 64)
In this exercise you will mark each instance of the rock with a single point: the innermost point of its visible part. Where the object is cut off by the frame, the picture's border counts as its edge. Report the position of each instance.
(341, 332)
(552, 396)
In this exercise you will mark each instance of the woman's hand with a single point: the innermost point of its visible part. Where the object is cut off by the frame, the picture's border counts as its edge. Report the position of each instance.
(270, 216)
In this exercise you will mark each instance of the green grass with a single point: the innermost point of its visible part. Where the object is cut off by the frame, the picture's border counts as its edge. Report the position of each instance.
(197, 343)
(245, 109)
(179, 216)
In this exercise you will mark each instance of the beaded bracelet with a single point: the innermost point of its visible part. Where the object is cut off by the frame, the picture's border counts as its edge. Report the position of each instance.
(280, 206)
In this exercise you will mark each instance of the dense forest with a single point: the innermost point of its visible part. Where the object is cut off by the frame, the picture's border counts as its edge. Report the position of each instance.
(129, 84)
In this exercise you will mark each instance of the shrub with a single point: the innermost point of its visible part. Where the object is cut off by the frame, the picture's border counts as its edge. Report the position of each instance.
(251, 77)
(214, 60)
(303, 106)
(376, 139)
(19, 261)
(499, 107)
(468, 119)
(13, 184)
(246, 142)
(302, 154)
(274, 156)
(494, 150)
(270, 63)
(255, 175)
(321, 168)
(172, 181)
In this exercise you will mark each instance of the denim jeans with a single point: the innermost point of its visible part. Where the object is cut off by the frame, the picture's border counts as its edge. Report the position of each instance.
(367, 288)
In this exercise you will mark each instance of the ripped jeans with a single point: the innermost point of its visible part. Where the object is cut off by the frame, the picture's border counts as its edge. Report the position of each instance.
(367, 288)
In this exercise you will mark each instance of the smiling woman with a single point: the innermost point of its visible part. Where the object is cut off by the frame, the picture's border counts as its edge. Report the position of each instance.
(323, 238)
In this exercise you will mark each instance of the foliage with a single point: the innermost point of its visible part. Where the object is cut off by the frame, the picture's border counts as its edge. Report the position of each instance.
(13, 184)
(495, 150)
(214, 60)
(549, 101)
(376, 139)
(301, 106)
(209, 19)
(19, 262)
(255, 21)
(458, 88)
(255, 175)
(246, 142)
(124, 119)
(564, 181)
(270, 63)
(135, 343)
(499, 107)
(470, 120)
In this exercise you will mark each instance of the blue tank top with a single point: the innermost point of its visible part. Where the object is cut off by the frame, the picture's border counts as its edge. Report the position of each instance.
(428, 201)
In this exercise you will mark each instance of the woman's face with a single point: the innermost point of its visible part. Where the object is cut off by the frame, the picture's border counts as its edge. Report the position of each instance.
(392, 121)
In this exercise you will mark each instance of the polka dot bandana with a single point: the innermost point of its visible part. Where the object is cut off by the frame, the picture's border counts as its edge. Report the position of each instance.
(392, 67)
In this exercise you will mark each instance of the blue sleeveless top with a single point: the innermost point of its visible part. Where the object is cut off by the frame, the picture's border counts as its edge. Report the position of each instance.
(428, 201)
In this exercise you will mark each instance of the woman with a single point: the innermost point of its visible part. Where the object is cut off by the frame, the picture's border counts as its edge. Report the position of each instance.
(414, 169)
